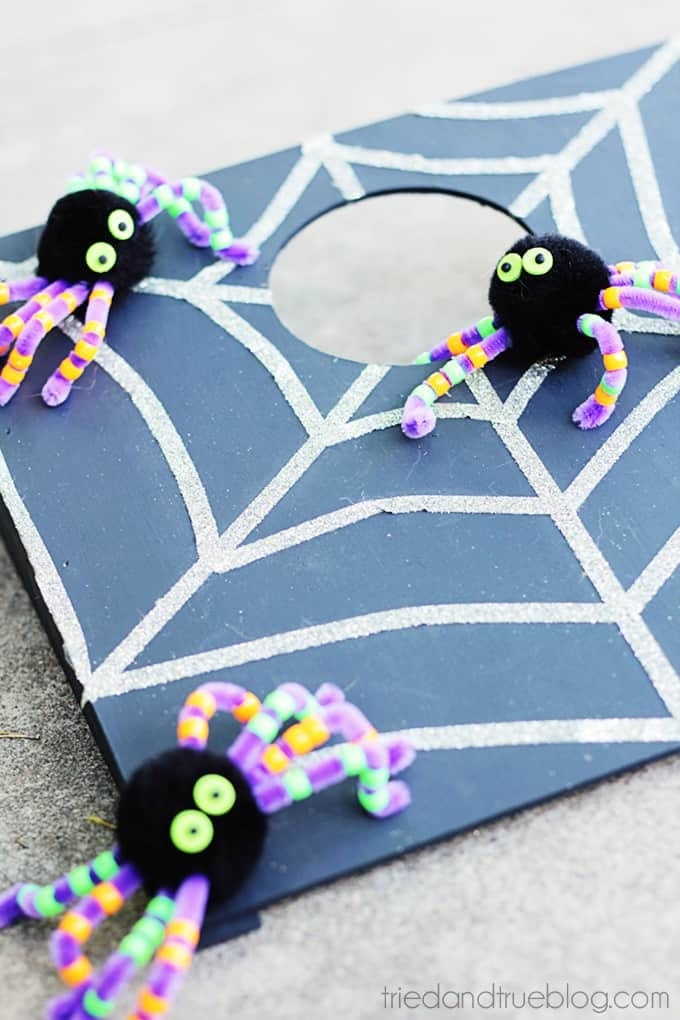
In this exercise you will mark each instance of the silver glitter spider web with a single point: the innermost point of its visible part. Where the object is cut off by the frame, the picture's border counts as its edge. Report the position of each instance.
(545, 195)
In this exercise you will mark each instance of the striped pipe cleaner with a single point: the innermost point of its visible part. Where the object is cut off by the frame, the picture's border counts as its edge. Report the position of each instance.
(54, 306)
(92, 336)
(39, 296)
(177, 200)
(176, 951)
(78, 924)
(472, 349)
(51, 900)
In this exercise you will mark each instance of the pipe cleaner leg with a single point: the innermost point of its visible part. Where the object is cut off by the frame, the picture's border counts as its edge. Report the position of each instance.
(107, 173)
(644, 287)
(213, 231)
(599, 407)
(28, 900)
(639, 299)
(136, 950)
(369, 762)
(418, 418)
(29, 338)
(75, 929)
(256, 750)
(58, 386)
(173, 958)
(383, 757)
(32, 292)
(644, 276)
(458, 343)
(366, 755)
(21, 290)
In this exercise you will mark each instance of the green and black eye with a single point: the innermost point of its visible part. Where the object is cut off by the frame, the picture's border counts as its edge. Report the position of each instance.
(191, 831)
(121, 224)
(214, 794)
(509, 267)
(538, 261)
(101, 257)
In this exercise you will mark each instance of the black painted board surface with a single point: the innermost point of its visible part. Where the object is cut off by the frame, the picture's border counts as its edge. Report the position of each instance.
(217, 500)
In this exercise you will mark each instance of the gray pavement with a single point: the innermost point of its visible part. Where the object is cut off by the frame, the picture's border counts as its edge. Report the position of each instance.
(584, 890)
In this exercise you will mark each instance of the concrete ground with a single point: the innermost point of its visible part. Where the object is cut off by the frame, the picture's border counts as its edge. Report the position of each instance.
(583, 891)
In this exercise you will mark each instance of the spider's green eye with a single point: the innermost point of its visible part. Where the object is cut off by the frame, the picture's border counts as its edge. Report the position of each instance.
(214, 794)
(121, 224)
(538, 261)
(509, 267)
(101, 256)
(191, 831)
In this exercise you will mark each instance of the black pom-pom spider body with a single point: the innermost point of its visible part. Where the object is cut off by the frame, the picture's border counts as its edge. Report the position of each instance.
(95, 235)
(541, 312)
(98, 240)
(551, 296)
(162, 794)
(190, 828)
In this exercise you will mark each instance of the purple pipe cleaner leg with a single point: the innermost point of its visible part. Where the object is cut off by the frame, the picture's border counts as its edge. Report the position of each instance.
(377, 794)
(58, 386)
(174, 957)
(366, 755)
(20, 359)
(241, 252)
(641, 288)
(292, 700)
(134, 952)
(21, 290)
(599, 407)
(666, 306)
(28, 900)
(212, 231)
(641, 276)
(287, 701)
(418, 418)
(75, 929)
(201, 706)
(456, 343)
(13, 324)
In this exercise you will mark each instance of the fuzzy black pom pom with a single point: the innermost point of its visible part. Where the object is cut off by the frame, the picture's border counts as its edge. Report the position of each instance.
(540, 309)
(165, 788)
(95, 235)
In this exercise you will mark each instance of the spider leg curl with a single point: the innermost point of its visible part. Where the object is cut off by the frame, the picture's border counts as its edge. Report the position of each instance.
(643, 287)
(599, 407)
(61, 305)
(58, 386)
(365, 755)
(256, 750)
(418, 418)
(213, 231)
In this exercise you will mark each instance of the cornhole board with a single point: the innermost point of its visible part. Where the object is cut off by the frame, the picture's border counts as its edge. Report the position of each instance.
(218, 500)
